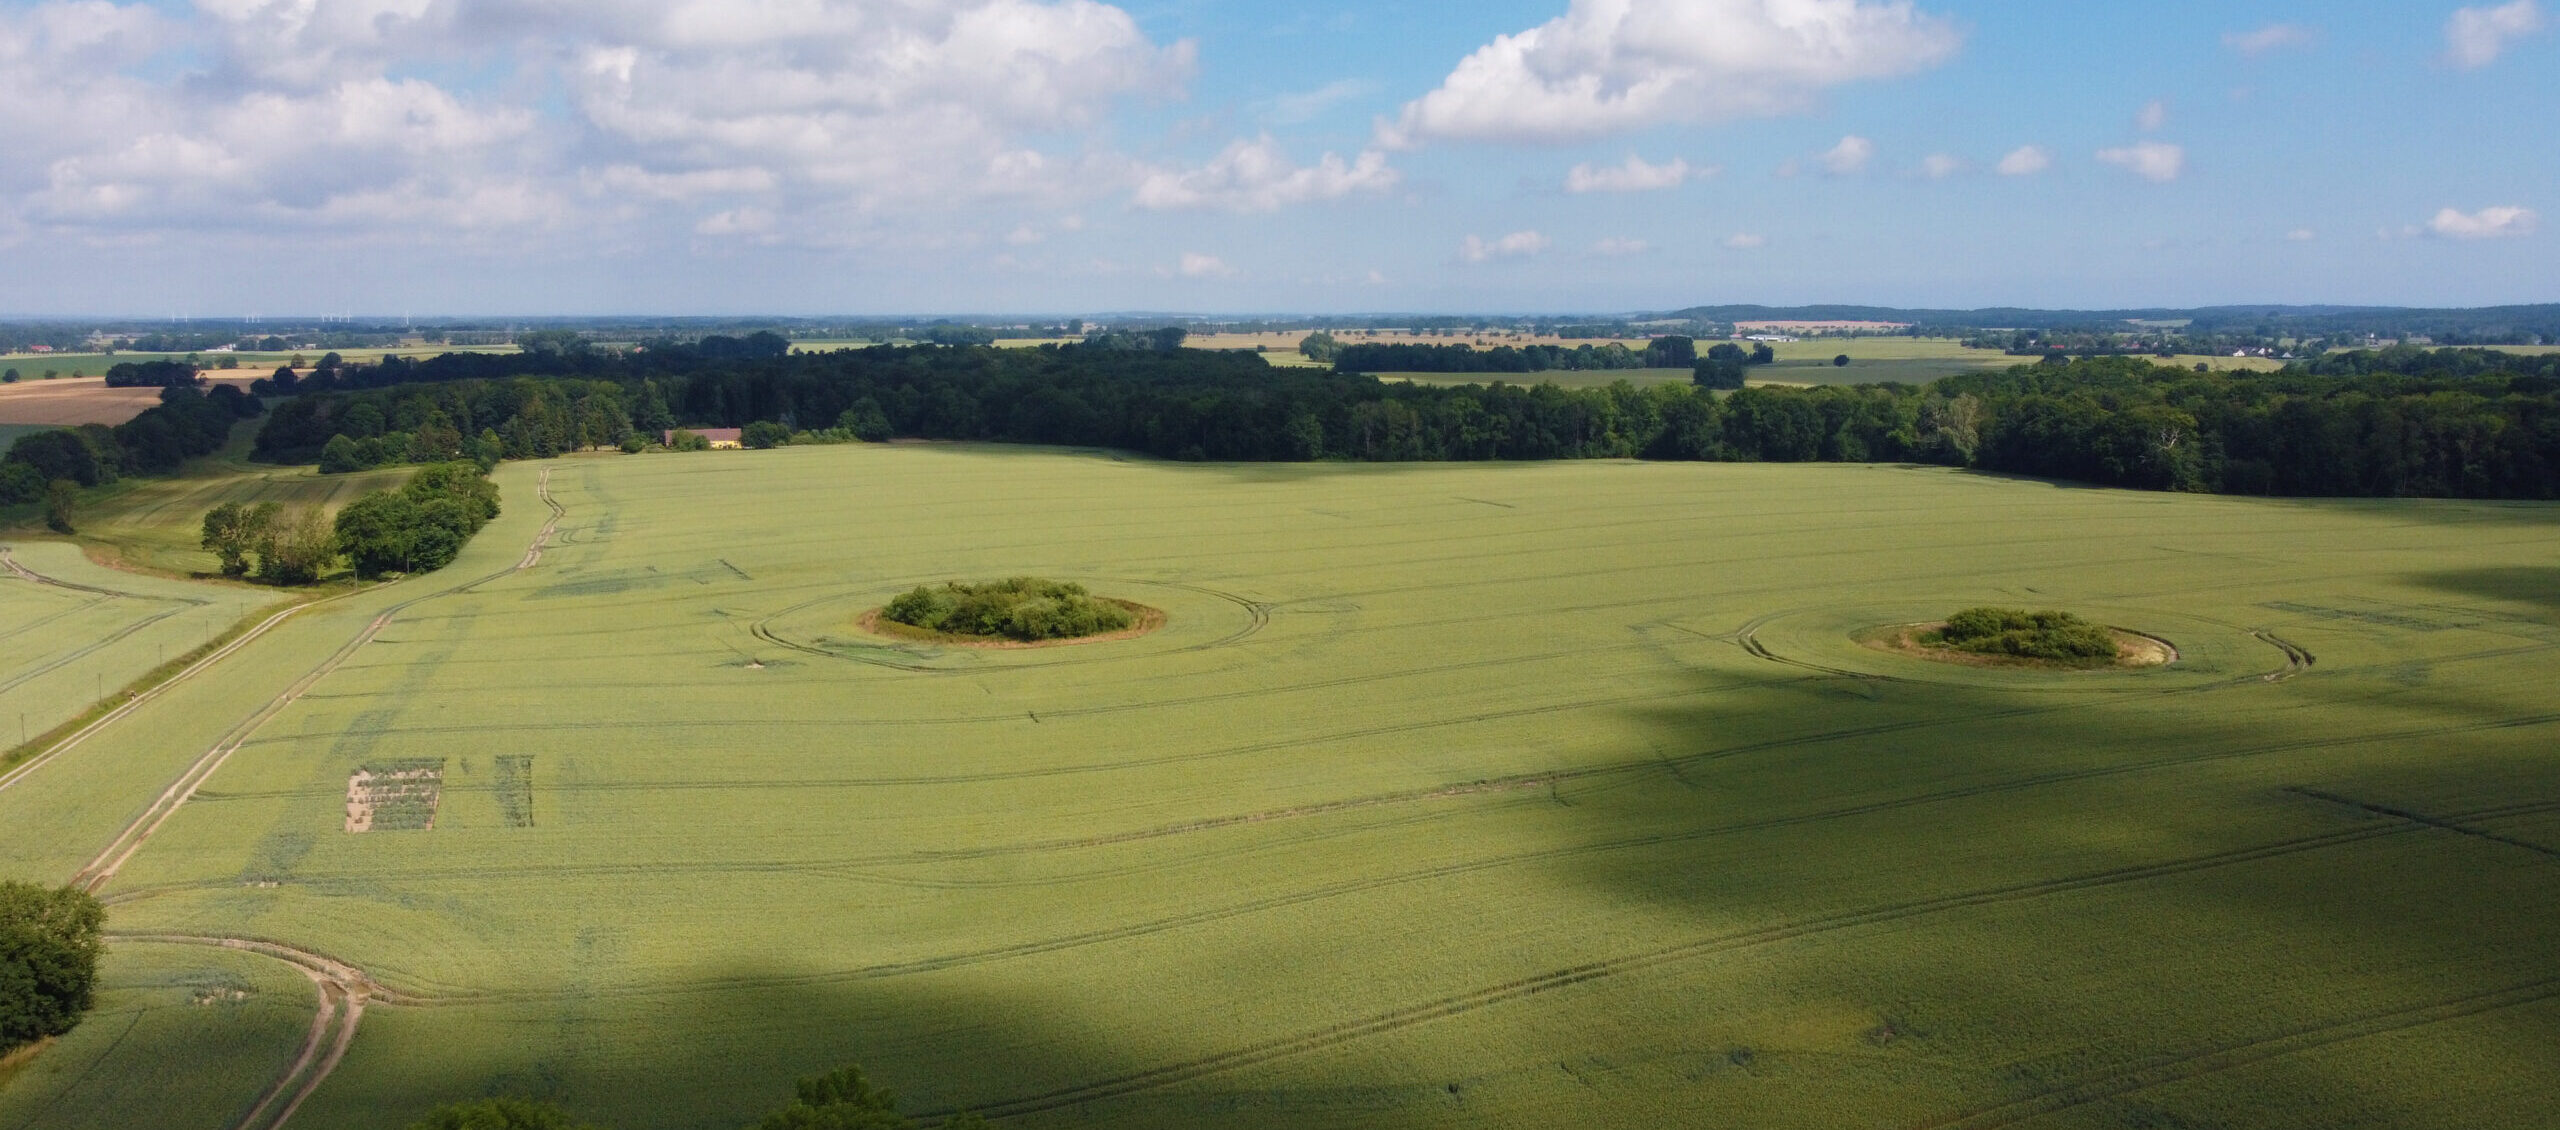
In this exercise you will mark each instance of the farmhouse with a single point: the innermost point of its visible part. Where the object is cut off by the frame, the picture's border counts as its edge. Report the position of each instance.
(721, 439)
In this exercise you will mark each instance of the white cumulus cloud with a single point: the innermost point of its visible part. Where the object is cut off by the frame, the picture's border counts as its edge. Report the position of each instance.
(1258, 176)
(1612, 66)
(2026, 161)
(2302, 235)
(2475, 37)
(2273, 37)
(1940, 166)
(304, 114)
(1517, 245)
(1636, 175)
(1849, 158)
(1198, 266)
(2487, 223)
(1614, 247)
(1746, 241)
(2152, 117)
(2155, 161)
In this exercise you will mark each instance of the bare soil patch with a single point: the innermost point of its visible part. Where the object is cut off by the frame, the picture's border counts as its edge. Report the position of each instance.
(1149, 621)
(69, 403)
(2134, 650)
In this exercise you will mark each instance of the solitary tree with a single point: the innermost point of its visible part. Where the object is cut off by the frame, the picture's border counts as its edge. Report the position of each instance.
(60, 500)
(1841, 361)
(49, 947)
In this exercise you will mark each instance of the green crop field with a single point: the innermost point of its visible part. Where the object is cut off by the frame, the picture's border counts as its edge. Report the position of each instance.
(1483, 796)
(72, 632)
(158, 523)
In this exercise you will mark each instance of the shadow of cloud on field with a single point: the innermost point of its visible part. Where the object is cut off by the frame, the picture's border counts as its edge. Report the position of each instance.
(2538, 586)
(738, 1038)
(2053, 891)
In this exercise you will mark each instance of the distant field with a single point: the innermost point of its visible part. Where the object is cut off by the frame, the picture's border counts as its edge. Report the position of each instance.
(1602, 378)
(67, 402)
(158, 523)
(1450, 796)
(1873, 360)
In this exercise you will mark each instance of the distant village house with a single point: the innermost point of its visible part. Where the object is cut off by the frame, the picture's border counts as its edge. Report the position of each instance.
(720, 439)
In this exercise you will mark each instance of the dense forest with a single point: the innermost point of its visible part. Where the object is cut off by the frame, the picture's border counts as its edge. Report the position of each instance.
(2452, 423)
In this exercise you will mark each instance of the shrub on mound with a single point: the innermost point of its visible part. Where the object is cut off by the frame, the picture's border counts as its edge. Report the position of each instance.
(2058, 636)
(1025, 608)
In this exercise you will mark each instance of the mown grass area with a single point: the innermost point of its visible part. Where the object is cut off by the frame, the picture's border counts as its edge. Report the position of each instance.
(1446, 796)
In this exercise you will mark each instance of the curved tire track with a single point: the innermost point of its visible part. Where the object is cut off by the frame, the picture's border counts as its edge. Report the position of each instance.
(344, 989)
(1257, 617)
(121, 850)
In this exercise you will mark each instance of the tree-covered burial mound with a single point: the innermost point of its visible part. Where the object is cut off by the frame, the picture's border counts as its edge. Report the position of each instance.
(2058, 636)
(2016, 637)
(1023, 610)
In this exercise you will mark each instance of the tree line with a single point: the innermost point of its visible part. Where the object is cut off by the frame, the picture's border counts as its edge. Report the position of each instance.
(2408, 423)
(52, 466)
(1660, 353)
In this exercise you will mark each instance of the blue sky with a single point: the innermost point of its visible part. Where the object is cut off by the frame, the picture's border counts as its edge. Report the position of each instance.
(373, 157)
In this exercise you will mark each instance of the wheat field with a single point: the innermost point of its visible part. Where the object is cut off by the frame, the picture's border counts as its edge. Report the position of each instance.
(1484, 796)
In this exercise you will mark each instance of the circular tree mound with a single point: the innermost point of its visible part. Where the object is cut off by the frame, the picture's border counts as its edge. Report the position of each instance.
(2009, 637)
(1018, 612)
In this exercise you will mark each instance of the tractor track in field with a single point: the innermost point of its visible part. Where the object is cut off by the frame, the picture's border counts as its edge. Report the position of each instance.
(343, 988)
(44, 621)
(2440, 823)
(73, 740)
(1012, 716)
(1257, 617)
(1137, 930)
(10, 561)
(102, 869)
(2158, 1071)
(849, 868)
(2298, 661)
(1462, 1003)
(343, 991)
